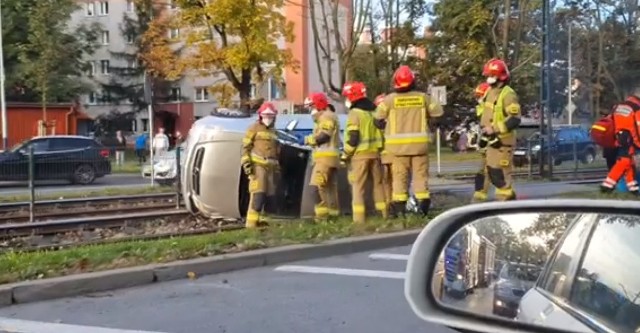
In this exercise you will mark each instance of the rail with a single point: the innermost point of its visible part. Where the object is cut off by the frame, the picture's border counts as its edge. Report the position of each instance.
(576, 174)
(93, 200)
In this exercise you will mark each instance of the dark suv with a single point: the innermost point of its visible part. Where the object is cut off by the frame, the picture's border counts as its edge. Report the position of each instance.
(60, 157)
(562, 147)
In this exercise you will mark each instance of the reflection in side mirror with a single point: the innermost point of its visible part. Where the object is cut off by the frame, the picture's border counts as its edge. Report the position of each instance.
(292, 125)
(490, 267)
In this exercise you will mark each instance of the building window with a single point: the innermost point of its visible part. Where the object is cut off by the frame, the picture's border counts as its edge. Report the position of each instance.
(130, 38)
(202, 94)
(105, 67)
(103, 10)
(106, 97)
(89, 9)
(132, 63)
(105, 37)
(131, 7)
(175, 95)
(145, 124)
(92, 98)
(91, 70)
(174, 33)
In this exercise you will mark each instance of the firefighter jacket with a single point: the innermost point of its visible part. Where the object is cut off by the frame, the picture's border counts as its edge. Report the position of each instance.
(407, 116)
(362, 139)
(626, 117)
(325, 139)
(502, 112)
(260, 145)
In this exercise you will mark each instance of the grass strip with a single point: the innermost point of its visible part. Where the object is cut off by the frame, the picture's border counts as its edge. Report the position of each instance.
(21, 266)
(88, 194)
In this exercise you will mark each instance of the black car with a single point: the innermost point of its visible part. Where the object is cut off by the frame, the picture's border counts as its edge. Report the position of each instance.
(564, 139)
(78, 159)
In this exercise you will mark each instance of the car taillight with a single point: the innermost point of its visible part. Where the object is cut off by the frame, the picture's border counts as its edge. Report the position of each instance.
(104, 153)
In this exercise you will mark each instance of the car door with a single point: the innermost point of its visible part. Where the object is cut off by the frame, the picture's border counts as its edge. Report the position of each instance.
(542, 305)
(64, 155)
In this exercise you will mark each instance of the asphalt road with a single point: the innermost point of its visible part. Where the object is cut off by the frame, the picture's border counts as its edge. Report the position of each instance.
(352, 293)
(480, 302)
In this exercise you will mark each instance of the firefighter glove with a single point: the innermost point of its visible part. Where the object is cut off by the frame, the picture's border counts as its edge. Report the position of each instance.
(494, 142)
(344, 159)
(247, 168)
(309, 140)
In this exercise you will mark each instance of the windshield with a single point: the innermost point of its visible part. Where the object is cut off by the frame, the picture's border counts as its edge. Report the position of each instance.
(520, 272)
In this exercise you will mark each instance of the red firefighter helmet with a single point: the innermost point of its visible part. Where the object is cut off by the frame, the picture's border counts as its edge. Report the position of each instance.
(267, 109)
(354, 91)
(481, 89)
(403, 77)
(496, 68)
(379, 99)
(318, 101)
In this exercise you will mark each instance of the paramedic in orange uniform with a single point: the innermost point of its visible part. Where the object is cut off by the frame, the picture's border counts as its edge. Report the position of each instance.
(626, 119)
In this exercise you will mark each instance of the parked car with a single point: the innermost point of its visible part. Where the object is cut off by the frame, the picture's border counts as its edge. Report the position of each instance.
(514, 280)
(59, 157)
(564, 139)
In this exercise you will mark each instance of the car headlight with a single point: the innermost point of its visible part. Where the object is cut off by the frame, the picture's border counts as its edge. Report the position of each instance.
(459, 277)
(535, 148)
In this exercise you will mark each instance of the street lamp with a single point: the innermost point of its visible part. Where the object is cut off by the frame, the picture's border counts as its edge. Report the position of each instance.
(3, 101)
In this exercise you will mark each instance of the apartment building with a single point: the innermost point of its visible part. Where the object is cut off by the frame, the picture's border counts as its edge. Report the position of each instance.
(191, 99)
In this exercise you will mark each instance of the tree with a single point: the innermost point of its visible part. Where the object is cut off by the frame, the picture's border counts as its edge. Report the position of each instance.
(335, 38)
(235, 38)
(51, 57)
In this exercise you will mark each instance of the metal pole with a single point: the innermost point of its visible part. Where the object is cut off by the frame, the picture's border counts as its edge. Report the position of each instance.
(569, 102)
(5, 143)
(32, 187)
(543, 91)
(438, 148)
(547, 83)
(151, 141)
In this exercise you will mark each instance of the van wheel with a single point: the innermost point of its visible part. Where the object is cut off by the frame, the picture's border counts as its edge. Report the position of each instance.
(84, 174)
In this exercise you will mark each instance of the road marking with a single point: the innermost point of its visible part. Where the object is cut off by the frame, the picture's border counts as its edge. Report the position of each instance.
(388, 256)
(341, 271)
(27, 326)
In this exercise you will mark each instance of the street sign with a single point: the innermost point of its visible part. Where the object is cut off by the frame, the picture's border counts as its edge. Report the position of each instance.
(439, 93)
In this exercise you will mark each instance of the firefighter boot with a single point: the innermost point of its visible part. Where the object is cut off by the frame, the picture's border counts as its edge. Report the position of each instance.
(399, 209)
(423, 206)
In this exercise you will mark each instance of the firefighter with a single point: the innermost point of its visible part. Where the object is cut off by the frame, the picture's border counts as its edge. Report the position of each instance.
(259, 161)
(626, 120)
(385, 160)
(500, 118)
(326, 156)
(405, 115)
(362, 145)
(481, 182)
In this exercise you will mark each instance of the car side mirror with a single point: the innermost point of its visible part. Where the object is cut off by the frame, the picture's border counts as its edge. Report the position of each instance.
(474, 236)
(291, 125)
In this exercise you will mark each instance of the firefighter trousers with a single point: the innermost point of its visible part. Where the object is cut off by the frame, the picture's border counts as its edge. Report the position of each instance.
(386, 183)
(262, 188)
(361, 170)
(324, 178)
(481, 183)
(625, 166)
(499, 169)
(416, 167)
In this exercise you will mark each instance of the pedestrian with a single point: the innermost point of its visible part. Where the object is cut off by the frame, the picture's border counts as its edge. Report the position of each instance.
(260, 151)
(405, 115)
(141, 148)
(499, 121)
(481, 182)
(362, 145)
(121, 146)
(160, 144)
(325, 141)
(626, 120)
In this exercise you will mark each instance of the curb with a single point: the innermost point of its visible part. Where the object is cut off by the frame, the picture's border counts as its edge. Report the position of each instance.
(86, 283)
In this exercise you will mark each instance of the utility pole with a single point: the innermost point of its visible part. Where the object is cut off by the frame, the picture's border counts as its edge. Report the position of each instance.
(570, 107)
(543, 91)
(547, 81)
(3, 100)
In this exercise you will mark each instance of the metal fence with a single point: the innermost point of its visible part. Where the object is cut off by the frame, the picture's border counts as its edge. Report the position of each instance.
(34, 174)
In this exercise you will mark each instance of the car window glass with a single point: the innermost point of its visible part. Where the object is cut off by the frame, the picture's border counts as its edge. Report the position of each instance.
(68, 143)
(557, 276)
(38, 146)
(607, 286)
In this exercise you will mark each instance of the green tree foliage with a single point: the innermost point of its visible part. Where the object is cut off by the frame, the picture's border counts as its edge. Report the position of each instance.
(51, 56)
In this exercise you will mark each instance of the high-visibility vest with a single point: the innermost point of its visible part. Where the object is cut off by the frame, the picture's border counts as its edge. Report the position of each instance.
(370, 136)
